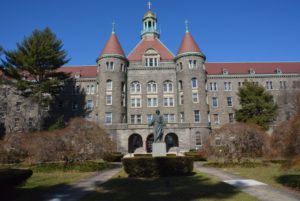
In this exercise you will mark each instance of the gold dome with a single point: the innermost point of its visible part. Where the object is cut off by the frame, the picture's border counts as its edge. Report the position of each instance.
(149, 14)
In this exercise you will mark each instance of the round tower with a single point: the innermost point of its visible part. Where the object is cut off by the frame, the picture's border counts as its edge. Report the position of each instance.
(112, 67)
(191, 76)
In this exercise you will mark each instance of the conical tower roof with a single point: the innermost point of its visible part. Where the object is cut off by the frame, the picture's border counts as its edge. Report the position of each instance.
(112, 47)
(188, 45)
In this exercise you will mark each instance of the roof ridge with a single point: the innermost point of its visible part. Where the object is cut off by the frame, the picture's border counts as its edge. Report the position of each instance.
(165, 46)
(135, 47)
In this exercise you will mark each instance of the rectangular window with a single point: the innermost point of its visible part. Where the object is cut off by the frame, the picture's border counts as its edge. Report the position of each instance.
(231, 117)
(227, 86)
(214, 101)
(89, 104)
(197, 117)
(110, 66)
(135, 102)
(198, 139)
(169, 102)
(216, 118)
(135, 119)
(282, 84)
(88, 89)
(108, 99)
(149, 118)
(92, 89)
(213, 86)
(181, 117)
(195, 98)
(269, 85)
(108, 118)
(152, 102)
(229, 101)
(169, 118)
(77, 89)
(181, 99)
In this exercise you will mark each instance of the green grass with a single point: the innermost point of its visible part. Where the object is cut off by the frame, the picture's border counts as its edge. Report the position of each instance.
(271, 174)
(198, 187)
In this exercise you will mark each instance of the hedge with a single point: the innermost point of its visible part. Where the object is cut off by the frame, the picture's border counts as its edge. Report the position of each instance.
(197, 156)
(113, 157)
(158, 166)
(10, 178)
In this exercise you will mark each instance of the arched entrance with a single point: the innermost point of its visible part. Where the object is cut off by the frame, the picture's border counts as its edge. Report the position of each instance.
(171, 141)
(134, 141)
(149, 142)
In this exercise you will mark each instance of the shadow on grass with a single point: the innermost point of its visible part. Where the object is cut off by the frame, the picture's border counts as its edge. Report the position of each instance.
(185, 188)
(291, 180)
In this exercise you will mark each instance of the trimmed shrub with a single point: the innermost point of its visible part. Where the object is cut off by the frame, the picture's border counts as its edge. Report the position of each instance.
(196, 155)
(158, 166)
(248, 164)
(113, 157)
(10, 178)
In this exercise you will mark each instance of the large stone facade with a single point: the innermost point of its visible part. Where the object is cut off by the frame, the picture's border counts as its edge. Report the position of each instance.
(194, 96)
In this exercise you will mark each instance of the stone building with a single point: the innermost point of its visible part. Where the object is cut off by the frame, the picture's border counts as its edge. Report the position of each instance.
(121, 93)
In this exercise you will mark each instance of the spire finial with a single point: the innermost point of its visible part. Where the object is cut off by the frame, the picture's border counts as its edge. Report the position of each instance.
(149, 5)
(113, 27)
(186, 26)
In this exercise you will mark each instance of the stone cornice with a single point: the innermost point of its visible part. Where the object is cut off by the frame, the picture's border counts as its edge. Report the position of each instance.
(189, 54)
(252, 76)
(118, 56)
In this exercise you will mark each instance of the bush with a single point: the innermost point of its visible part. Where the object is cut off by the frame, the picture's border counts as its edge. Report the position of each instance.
(10, 178)
(235, 164)
(158, 166)
(82, 166)
(196, 155)
(113, 157)
(292, 181)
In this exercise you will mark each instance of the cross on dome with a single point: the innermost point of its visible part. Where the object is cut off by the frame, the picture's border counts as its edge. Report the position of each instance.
(149, 5)
(186, 26)
(113, 27)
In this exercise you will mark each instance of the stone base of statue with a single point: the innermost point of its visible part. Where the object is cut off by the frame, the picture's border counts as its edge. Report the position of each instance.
(159, 149)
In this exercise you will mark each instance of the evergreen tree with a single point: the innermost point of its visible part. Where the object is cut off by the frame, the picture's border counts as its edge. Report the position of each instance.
(257, 105)
(34, 65)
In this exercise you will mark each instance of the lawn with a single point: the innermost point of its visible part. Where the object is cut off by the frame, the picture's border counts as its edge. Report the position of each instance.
(271, 174)
(197, 187)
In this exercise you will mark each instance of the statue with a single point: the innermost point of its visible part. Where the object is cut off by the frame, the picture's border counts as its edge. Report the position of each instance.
(158, 123)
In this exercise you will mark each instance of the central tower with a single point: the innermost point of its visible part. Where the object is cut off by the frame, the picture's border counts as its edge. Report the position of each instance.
(149, 24)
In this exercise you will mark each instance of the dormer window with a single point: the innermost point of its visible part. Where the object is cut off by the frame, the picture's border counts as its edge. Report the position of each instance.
(225, 71)
(278, 71)
(251, 71)
(151, 58)
(77, 75)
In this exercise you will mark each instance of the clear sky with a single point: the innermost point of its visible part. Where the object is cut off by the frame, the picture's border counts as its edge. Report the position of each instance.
(226, 30)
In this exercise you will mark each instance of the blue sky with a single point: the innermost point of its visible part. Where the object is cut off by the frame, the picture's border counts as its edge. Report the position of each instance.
(226, 30)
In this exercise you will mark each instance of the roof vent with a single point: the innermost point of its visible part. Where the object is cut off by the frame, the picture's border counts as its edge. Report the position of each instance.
(77, 75)
(225, 71)
(278, 71)
(251, 71)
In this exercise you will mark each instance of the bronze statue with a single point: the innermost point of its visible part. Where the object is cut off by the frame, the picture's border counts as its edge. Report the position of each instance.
(158, 123)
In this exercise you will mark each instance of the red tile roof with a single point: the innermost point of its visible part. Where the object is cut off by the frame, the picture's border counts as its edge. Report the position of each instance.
(84, 71)
(258, 67)
(188, 44)
(112, 46)
(147, 43)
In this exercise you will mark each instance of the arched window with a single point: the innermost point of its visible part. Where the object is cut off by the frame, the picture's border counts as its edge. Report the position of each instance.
(109, 84)
(168, 86)
(194, 83)
(135, 87)
(151, 87)
(180, 85)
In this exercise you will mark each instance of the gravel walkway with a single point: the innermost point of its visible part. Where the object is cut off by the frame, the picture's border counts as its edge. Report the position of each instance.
(259, 190)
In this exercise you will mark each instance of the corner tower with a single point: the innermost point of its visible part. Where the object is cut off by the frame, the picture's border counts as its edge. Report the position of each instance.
(191, 77)
(112, 66)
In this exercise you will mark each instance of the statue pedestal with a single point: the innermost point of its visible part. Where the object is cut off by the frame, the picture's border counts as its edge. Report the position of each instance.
(159, 149)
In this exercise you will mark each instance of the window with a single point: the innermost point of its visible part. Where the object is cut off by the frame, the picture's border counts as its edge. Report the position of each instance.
(180, 85)
(229, 101)
(214, 101)
(213, 86)
(241, 84)
(197, 117)
(194, 83)
(89, 104)
(151, 62)
(181, 99)
(74, 105)
(123, 69)
(108, 118)
(109, 85)
(198, 139)
(195, 98)
(282, 84)
(152, 102)
(269, 85)
(135, 87)
(181, 117)
(169, 118)
(135, 102)
(92, 89)
(227, 86)
(216, 118)
(108, 99)
(152, 87)
(149, 118)
(180, 66)
(231, 117)
(110, 66)
(168, 86)
(168, 101)
(136, 119)
(192, 64)
(88, 89)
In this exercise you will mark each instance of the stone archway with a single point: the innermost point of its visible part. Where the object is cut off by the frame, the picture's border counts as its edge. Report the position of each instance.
(171, 140)
(149, 142)
(134, 141)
